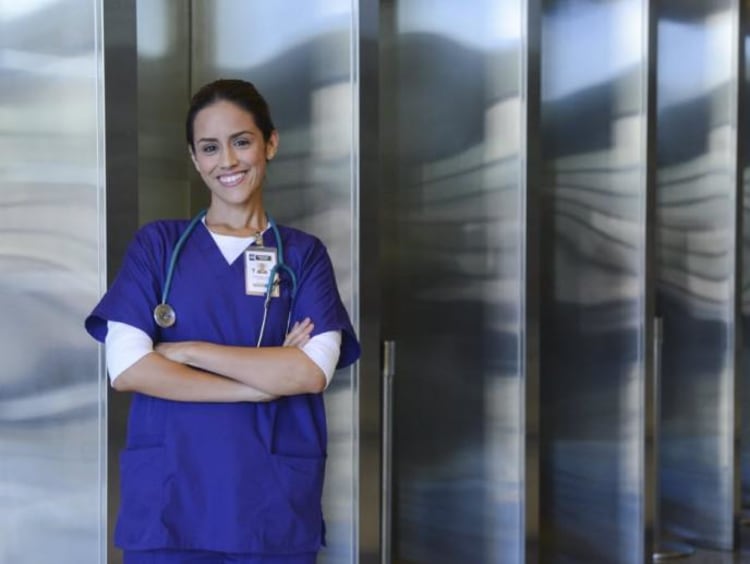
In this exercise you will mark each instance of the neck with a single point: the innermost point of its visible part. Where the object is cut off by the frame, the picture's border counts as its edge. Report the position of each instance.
(238, 222)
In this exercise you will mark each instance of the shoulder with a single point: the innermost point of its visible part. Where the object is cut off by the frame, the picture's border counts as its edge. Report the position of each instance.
(162, 229)
(160, 233)
(155, 240)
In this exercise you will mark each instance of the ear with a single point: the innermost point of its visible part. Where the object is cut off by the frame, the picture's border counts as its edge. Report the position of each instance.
(272, 145)
(192, 158)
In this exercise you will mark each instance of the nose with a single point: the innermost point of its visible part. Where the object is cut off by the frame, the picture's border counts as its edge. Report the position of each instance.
(229, 158)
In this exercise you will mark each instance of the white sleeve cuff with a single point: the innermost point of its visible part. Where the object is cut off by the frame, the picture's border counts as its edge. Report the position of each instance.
(324, 350)
(124, 346)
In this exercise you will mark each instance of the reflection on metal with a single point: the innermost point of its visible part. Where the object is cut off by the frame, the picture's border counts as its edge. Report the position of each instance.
(696, 253)
(672, 550)
(594, 361)
(124, 180)
(531, 124)
(370, 282)
(663, 549)
(386, 486)
(454, 226)
(744, 291)
(163, 82)
(299, 54)
(453, 146)
(51, 239)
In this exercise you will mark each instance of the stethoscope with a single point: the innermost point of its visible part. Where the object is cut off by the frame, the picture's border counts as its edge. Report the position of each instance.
(164, 314)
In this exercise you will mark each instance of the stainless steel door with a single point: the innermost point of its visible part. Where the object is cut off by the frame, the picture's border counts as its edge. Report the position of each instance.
(452, 238)
(697, 242)
(594, 299)
(52, 407)
(744, 294)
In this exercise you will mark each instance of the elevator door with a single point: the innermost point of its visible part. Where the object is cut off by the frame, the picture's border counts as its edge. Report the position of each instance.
(52, 409)
(451, 118)
(697, 267)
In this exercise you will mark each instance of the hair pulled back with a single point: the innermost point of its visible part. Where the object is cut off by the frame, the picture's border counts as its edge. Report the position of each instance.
(240, 92)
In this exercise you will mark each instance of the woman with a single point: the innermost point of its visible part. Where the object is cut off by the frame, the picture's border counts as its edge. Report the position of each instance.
(226, 440)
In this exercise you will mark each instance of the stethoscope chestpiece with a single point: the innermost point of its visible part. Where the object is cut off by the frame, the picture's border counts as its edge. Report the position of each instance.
(164, 315)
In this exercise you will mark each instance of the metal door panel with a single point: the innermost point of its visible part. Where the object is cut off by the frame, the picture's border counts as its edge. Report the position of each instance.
(593, 327)
(51, 273)
(452, 115)
(696, 242)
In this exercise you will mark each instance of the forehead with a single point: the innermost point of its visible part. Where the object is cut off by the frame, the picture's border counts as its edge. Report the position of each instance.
(223, 117)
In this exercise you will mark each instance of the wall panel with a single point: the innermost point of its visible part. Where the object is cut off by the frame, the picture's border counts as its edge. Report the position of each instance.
(452, 239)
(696, 242)
(52, 406)
(593, 301)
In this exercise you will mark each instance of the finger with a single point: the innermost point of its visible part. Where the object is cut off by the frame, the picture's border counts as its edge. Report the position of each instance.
(298, 339)
(291, 338)
(306, 325)
(300, 328)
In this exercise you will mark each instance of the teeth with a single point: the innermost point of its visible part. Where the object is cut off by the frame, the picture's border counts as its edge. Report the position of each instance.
(231, 178)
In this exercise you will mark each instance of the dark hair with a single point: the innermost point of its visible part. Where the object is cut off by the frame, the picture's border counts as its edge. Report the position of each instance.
(239, 92)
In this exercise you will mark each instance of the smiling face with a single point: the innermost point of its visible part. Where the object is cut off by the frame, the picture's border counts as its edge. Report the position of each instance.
(230, 154)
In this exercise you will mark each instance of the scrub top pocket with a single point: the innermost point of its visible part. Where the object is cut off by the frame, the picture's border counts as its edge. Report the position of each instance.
(139, 526)
(300, 483)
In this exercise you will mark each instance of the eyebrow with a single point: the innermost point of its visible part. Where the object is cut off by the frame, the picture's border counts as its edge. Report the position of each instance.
(232, 136)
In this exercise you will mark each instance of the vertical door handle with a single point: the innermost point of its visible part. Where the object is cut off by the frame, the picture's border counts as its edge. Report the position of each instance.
(389, 371)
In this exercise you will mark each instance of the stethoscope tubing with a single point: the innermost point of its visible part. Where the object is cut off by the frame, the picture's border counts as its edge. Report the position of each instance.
(176, 253)
(277, 269)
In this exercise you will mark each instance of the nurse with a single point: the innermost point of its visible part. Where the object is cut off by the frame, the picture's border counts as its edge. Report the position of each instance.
(226, 442)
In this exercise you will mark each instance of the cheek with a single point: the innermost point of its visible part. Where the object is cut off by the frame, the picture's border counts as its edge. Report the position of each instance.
(204, 165)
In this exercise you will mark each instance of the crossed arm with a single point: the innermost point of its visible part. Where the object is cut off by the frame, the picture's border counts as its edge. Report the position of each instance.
(201, 371)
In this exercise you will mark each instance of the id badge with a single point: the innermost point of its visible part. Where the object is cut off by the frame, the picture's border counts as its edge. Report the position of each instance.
(259, 262)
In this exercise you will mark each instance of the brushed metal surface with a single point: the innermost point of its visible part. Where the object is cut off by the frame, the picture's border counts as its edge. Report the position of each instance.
(696, 242)
(593, 330)
(453, 254)
(369, 487)
(121, 31)
(52, 405)
(744, 293)
(163, 82)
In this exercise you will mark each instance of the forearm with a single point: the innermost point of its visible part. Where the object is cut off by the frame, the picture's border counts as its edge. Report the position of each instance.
(278, 371)
(160, 377)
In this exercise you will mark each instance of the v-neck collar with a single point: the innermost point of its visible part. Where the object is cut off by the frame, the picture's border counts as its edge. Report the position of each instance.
(212, 253)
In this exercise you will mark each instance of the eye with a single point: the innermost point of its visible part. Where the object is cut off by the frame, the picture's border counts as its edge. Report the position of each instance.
(208, 149)
(242, 142)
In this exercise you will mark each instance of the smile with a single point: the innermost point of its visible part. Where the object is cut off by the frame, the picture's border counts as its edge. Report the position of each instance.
(230, 180)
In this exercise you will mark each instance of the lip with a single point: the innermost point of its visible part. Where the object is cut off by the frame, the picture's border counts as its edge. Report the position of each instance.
(232, 179)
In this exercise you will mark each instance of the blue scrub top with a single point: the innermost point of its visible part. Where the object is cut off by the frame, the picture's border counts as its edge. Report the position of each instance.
(229, 477)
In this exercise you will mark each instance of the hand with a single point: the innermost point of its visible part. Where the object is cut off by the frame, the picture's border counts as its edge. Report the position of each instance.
(300, 333)
(176, 352)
